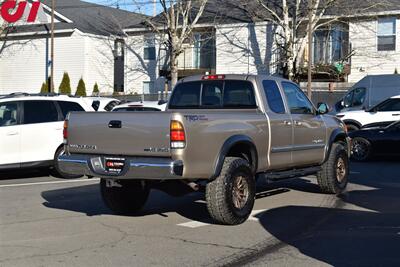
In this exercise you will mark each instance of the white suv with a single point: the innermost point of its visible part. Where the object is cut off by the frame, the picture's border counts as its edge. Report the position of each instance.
(31, 129)
(385, 112)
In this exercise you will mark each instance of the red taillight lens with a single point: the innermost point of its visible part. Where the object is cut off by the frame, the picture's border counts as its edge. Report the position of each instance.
(177, 135)
(214, 77)
(65, 130)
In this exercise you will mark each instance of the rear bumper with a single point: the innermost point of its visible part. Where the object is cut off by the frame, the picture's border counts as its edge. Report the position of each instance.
(135, 167)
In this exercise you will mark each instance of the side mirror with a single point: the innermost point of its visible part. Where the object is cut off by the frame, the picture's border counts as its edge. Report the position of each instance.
(323, 108)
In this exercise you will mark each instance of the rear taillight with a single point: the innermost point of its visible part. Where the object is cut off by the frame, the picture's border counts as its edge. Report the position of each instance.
(177, 135)
(65, 131)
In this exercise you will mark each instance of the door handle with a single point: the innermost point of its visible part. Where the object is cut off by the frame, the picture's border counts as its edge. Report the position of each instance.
(12, 133)
(115, 124)
(288, 123)
(396, 115)
(298, 123)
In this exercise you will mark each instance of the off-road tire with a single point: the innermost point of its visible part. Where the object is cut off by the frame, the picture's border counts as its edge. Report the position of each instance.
(328, 177)
(56, 172)
(220, 192)
(126, 199)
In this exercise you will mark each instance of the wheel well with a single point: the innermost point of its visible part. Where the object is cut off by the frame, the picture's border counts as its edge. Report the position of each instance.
(354, 123)
(246, 151)
(340, 138)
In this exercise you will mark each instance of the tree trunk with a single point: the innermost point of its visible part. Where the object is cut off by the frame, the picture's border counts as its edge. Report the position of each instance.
(174, 69)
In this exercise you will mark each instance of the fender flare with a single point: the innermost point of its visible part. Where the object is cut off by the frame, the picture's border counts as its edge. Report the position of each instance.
(231, 142)
(336, 134)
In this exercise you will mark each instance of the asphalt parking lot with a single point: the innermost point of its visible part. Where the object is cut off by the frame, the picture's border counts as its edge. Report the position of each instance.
(46, 221)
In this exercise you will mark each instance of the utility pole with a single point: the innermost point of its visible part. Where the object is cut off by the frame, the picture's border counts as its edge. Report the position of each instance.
(310, 46)
(52, 48)
(154, 8)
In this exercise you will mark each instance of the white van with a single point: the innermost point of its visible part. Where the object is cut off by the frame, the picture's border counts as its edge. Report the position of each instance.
(369, 91)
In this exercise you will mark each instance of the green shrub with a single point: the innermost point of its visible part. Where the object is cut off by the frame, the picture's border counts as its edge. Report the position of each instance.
(81, 90)
(96, 91)
(65, 86)
(45, 88)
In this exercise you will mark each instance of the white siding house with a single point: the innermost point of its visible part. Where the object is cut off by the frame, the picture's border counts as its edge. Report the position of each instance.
(364, 38)
(84, 48)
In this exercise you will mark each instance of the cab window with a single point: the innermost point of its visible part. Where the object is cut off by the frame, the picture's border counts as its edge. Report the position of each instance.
(297, 100)
(274, 97)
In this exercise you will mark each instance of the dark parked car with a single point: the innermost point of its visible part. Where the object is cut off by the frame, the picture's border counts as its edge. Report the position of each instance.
(379, 140)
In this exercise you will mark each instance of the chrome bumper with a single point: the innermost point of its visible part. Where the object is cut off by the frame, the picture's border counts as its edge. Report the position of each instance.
(135, 167)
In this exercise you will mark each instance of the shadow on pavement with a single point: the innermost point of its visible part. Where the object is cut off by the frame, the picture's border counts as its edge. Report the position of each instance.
(24, 173)
(86, 199)
(365, 235)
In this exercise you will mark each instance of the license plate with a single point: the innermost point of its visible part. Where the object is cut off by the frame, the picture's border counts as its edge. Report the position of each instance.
(114, 165)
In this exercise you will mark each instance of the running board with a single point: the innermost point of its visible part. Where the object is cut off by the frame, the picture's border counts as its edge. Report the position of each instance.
(288, 174)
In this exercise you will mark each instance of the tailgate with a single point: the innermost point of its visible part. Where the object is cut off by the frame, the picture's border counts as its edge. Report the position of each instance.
(130, 133)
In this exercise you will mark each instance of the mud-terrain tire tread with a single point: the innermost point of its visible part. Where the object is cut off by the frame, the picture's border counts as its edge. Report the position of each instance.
(327, 176)
(217, 192)
(126, 200)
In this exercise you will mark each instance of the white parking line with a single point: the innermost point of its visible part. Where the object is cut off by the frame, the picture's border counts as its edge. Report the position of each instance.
(193, 224)
(196, 224)
(52, 182)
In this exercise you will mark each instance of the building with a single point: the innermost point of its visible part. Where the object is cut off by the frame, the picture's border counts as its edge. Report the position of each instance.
(86, 46)
(114, 48)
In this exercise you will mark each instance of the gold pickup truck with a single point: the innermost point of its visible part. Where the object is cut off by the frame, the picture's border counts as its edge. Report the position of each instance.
(220, 131)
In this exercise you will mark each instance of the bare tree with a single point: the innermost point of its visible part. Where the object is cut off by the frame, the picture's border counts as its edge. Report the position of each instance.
(294, 18)
(178, 19)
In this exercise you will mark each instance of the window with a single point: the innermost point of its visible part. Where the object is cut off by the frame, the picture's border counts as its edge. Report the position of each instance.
(387, 34)
(355, 98)
(359, 97)
(331, 44)
(8, 114)
(274, 97)
(148, 88)
(186, 95)
(111, 105)
(40, 112)
(149, 48)
(389, 105)
(214, 94)
(239, 94)
(297, 100)
(67, 107)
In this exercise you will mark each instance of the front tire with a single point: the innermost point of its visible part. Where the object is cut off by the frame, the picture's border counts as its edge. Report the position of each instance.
(333, 177)
(230, 197)
(124, 197)
(361, 149)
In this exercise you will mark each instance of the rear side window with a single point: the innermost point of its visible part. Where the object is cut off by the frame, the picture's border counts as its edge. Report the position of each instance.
(67, 107)
(228, 94)
(8, 114)
(390, 105)
(40, 112)
(274, 96)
